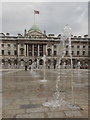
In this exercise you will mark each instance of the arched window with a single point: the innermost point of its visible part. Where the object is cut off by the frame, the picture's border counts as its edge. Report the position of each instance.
(55, 53)
(49, 52)
(22, 51)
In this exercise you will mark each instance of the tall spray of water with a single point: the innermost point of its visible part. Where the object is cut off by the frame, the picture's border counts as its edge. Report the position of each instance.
(57, 100)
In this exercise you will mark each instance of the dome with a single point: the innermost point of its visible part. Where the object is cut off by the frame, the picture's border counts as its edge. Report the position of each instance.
(34, 28)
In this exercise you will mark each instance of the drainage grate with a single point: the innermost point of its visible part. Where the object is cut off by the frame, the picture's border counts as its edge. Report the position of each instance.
(28, 106)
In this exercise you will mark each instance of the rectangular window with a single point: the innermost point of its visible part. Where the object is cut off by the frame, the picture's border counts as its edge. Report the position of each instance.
(9, 52)
(88, 53)
(15, 52)
(8, 45)
(78, 46)
(66, 46)
(35, 50)
(30, 47)
(88, 46)
(55, 46)
(66, 52)
(21, 51)
(72, 46)
(30, 50)
(14, 45)
(78, 52)
(30, 53)
(72, 52)
(83, 52)
(55, 53)
(21, 44)
(2, 52)
(2, 45)
(41, 54)
(41, 50)
(84, 46)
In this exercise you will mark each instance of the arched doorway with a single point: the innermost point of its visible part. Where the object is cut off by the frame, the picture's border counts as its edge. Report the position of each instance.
(15, 61)
(49, 63)
(9, 62)
(40, 62)
(30, 61)
(22, 62)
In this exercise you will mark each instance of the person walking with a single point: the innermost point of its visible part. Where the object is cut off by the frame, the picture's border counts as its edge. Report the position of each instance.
(26, 66)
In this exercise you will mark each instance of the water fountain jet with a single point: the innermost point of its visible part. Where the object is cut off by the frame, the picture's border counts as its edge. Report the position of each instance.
(58, 100)
(44, 67)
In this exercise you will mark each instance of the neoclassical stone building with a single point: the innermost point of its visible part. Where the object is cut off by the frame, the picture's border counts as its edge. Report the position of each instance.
(16, 51)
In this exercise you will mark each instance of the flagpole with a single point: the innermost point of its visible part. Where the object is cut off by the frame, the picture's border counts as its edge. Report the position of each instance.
(35, 12)
(34, 18)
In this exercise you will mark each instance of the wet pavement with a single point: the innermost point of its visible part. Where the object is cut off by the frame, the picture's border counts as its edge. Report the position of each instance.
(24, 93)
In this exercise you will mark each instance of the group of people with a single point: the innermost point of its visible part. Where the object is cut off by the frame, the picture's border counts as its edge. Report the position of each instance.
(54, 65)
(36, 65)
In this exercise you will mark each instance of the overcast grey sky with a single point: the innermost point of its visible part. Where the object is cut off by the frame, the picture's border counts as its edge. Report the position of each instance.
(17, 16)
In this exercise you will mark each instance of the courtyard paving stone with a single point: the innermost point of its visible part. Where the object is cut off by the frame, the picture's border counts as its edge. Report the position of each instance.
(40, 109)
(22, 89)
(32, 115)
(12, 113)
(56, 115)
(73, 114)
(23, 116)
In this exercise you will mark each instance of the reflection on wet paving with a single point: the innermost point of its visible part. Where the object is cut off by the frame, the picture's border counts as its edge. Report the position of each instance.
(24, 89)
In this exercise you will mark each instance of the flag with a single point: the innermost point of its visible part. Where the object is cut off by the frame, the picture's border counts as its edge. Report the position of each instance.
(36, 12)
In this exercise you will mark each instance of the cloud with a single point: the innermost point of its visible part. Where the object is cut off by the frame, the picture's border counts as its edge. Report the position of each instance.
(53, 16)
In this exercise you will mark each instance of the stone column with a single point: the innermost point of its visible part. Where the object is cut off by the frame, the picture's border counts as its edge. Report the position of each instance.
(25, 50)
(18, 53)
(32, 50)
(52, 50)
(38, 51)
(18, 50)
(44, 49)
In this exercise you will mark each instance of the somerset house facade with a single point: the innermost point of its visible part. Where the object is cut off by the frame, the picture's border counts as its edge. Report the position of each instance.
(16, 51)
